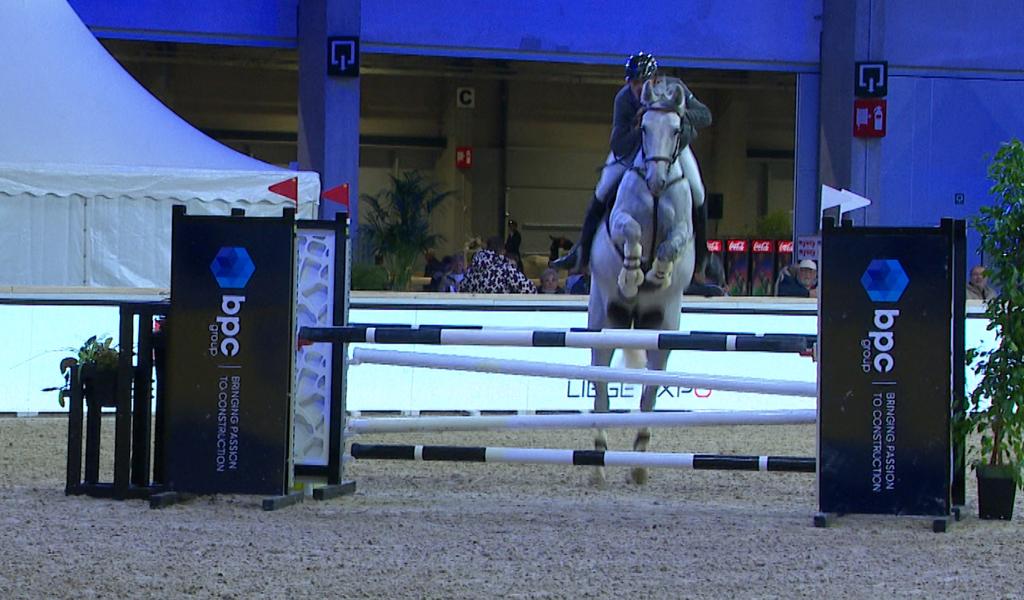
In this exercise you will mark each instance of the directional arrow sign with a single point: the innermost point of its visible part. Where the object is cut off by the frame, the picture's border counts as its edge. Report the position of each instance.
(871, 79)
(343, 56)
(844, 199)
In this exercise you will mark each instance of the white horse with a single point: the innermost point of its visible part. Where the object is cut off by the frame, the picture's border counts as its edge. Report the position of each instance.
(643, 257)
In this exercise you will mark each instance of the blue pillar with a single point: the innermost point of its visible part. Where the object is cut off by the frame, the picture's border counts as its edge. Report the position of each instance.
(807, 187)
(847, 37)
(328, 105)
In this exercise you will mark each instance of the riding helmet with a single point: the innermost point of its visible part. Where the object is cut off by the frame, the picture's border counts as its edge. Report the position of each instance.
(641, 66)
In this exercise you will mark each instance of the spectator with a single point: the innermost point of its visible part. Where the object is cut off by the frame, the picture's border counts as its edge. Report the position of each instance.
(458, 269)
(430, 266)
(579, 283)
(493, 273)
(978, 287)
(512, 244)
(714, 271)
(803, 285)
(549, 282)
(430, 263)
(700, 285)
(442, 280)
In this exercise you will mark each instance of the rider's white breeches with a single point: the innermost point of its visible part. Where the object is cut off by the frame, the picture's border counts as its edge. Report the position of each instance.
(611, 175)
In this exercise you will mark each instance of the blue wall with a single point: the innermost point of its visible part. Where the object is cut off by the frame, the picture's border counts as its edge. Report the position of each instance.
(980, 35)
(762, 34)
(759, 34)
(941, 135)
(956, 91)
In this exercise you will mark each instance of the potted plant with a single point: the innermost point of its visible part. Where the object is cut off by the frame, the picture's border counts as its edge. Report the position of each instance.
(996, 406)
(397, 227)
(97, 359)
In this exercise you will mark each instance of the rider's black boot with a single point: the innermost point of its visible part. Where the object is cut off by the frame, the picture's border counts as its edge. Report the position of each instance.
(579, 256)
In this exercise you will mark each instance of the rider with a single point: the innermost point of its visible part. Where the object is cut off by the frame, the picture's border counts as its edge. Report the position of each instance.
(625, 143)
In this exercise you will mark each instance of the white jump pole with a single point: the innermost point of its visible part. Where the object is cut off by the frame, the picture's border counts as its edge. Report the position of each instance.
(582, 421)
(539, 369)
(640, 339)
(599, 458)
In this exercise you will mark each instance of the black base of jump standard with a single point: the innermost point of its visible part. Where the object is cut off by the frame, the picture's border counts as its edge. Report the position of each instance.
(939, 524)
(324, 492)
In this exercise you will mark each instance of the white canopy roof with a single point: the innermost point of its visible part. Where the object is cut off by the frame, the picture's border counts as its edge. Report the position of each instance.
(91, 163)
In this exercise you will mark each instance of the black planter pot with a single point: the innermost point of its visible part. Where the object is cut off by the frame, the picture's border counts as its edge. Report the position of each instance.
(997, 491)
(99, 386)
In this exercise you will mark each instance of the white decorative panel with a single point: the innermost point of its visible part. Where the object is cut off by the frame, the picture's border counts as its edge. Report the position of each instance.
(314, 306)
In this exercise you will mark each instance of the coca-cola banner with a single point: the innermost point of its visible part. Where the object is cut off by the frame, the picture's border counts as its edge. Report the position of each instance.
(762, 260)
(737, 267)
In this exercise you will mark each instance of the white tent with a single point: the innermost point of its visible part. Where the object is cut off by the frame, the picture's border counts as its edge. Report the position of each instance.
(91, 163)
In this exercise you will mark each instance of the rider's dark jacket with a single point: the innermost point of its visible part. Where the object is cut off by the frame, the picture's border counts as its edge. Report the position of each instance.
(625, 139)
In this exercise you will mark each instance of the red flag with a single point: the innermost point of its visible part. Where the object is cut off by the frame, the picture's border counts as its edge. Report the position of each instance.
(289, 188)
(338, 194)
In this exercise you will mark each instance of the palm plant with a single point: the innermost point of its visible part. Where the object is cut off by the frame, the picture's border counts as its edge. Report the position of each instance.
(997, 403)
(397, 226)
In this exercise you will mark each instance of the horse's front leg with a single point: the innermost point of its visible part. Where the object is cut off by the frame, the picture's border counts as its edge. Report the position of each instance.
(627, 231)
(671, 247)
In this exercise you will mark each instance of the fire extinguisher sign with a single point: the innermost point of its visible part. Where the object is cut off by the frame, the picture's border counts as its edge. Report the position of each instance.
(869, 117)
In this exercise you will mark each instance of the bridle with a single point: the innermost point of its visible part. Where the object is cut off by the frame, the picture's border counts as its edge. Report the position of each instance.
(670, 160)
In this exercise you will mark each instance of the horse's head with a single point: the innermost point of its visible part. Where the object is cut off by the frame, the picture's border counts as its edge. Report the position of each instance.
(663, 105)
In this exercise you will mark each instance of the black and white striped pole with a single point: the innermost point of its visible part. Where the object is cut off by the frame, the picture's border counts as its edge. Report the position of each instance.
(595, 458)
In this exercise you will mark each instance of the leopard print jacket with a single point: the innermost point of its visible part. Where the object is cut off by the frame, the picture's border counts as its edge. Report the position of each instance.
(492, 273)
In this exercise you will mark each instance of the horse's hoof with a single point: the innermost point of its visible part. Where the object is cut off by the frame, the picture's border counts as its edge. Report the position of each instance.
(630, 281)
(639, 475)
(661, 280)
(597, 478)
(660, 274)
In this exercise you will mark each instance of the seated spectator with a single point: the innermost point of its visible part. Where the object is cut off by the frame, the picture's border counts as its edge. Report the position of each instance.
(458, 269)
(430, 266)
(700, 284)
(493, 273)
(714, 271)
(978, 287)
(443, 279)
(802, 285)
(579, 283)
(549, 282)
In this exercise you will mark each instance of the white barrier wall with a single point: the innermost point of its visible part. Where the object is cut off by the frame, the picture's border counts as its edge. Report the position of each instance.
(37, 337)
(377, 387)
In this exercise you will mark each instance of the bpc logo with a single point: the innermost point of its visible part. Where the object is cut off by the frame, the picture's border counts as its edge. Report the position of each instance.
(885, 280)
(232, 267)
